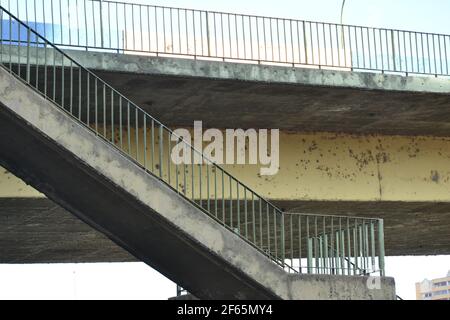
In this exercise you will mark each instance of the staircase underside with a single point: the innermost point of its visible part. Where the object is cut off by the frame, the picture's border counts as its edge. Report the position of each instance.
(88, 177)
(147, 218)
(37, 230)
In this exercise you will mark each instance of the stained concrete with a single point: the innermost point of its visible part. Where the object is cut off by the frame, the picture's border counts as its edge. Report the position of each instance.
(36, 230)
(178, 91)
(93, 180)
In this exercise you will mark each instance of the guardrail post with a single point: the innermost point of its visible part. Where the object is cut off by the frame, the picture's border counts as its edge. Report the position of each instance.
(207, 34)
(101, 22)
(283, 251)
(309, 255)
(393, 50)
(381, 246)
(28, 54)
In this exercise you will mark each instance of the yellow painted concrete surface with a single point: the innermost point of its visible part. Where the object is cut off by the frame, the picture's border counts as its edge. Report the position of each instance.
(327, 166)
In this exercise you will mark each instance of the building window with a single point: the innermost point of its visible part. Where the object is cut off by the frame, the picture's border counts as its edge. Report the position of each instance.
(440, 284)
(440, 292)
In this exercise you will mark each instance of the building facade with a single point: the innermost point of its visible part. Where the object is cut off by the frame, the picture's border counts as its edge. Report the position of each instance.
(436, 289)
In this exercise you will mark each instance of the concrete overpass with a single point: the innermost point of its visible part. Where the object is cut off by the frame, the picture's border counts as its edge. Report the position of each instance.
(108, 184)
(352, 143)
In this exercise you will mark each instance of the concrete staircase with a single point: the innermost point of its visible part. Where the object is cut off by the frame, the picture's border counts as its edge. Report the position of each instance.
(50, 143)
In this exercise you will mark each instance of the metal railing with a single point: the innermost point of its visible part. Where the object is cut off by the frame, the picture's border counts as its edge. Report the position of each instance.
(327, 244)
(129, 27)
(149, 143)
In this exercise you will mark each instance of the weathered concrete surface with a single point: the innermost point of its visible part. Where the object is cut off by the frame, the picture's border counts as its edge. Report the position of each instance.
(328, 167)
(93, 180)
(66, 161)
(178, 91)
(36, 230)
(323, 287)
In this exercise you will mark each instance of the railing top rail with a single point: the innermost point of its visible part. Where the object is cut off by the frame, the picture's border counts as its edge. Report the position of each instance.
(54, 47)
(273, 17)
(351, 217)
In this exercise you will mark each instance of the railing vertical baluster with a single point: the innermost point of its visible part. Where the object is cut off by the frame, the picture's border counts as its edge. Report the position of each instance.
(161, 145)
(223, 197)
(169, 162)
(136, 131)
(355, 247)
(405, 52)
(208, 205)
(275, 231)
(141, 31)
(28, 56)
(128, 128)
(447, 59)
(325, 49)
(120, 117)
(184, 174)
(261, 243)
(332, 250)
(381, 246)
(79, 92)
(434, 54)
(133, 25)
(200, 182)
(337, 240)
(87, 97)
(156, 30)
(309, 249)
(153, 144)
(361, 248)
(428, 52)
(112, 117)
(372, 245)
(349, 252)
(305, 41)
(214, 167)
(300, 244)
(440, 53)
(71, 85)
(145, 144)
(323, 246)
(282, 239)
(318, 45)
(342, 247)
(245, 213)
(253, 218)
(272, 57)
(268, 228)
(337, 46)
(104, 112)
(316, 249)
(231, 202)
(238, 207)
(96, 106)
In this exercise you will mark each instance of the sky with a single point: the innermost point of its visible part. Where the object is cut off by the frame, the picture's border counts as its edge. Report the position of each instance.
(137, 280)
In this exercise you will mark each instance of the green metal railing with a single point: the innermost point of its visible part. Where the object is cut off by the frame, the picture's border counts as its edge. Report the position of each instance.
(328, 244)
(127, 27)
(287, 239)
